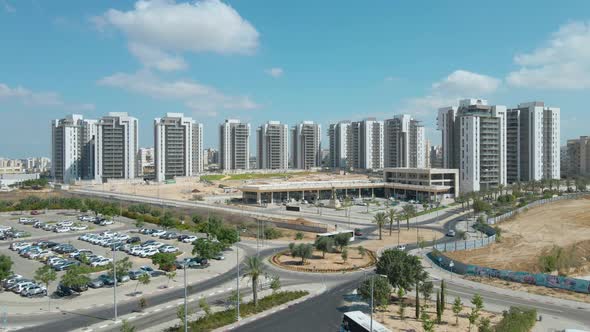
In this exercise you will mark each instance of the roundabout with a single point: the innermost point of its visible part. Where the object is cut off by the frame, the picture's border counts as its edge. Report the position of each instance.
(332, 262)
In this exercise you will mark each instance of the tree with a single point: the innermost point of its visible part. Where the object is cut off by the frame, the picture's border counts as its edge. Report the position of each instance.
(484, 325)
(402, 305)
(409, 212)
(207, 249)
(203, 304)
(75, 277)
(341, 240)
(324, 244)
(142, 303)
(443, 291)
(417, 301)
(5, 267)
(227, 235)
(302, 250)
(391, 218)
(477, 302)
(170, 275)
(165, 261)
(127, 327)
(426, 288)
(275, 283)
(180, 313)
(344, 255)
(123, 266)
(292, 249)
(143, 279)
(402, 270)
(299, 236)
(380, 219)
(254, 269)
(381, 291)
(427, 323)
(457, 308)
(362, 251)
(46, 275)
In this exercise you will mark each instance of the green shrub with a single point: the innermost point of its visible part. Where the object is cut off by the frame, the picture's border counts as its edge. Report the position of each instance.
(517, 320)
(272, 233)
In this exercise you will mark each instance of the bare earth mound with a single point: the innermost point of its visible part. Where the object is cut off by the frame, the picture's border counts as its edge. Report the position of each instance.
(524, 238)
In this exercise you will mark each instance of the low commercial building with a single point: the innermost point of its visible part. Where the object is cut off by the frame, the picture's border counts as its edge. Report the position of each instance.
(405, 183)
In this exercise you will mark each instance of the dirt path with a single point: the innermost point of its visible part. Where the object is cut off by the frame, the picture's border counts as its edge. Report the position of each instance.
(525, 237)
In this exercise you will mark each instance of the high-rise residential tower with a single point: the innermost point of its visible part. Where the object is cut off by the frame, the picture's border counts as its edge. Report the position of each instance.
(306, 145)
(533, 142)
(234, 145)
(178, 145)
(338, 137)
(578, 157)
(116, 147)
(474, 141)
(405, 144)
(72, 148)
(365, 144)
(272, 146)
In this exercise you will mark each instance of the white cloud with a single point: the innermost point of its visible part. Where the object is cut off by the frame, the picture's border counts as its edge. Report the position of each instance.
(275, 72)
(446, 92)
(198, 97)
(43, 99)
(157, 28)
(7, 7)
(562, 63)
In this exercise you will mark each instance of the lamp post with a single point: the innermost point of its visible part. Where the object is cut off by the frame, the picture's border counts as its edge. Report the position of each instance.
(115, 281)
(238, 276)
(185, 300)
(372, 295)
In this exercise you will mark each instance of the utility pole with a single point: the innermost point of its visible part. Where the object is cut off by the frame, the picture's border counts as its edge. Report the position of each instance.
(372, 291)
(185, 301)
(115, 281)
(238, 276)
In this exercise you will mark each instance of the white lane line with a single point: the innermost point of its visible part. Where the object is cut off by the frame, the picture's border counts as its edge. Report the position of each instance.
(168, 306)
(211, 294)
(103, 326)
(158, 310)
(132, 317)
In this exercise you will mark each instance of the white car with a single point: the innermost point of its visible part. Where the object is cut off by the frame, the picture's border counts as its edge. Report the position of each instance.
(62, 230)
(108, 234)
(168, 248)
(79, 228)
(23, 285)
(136, 250)
(158, 233)
(122, 237)
(100, 262)
(17, 246)
(106, 222)
(401, 247)
(23, 220)
(66, 223)
(148, 253)
(39, 254)
(190, 239)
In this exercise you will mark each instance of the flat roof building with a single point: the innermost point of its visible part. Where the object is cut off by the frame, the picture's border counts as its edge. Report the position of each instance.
(234, 145)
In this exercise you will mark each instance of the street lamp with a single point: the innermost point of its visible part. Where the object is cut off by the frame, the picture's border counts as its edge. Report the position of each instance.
(238, 276)
(115, 281)
(185, 299)
(372, 293)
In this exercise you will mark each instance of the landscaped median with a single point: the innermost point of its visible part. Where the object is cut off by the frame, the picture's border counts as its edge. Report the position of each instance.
(226, 317)
(332, 262)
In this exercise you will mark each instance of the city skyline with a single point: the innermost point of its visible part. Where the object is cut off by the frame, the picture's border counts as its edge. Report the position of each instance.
(262, 70)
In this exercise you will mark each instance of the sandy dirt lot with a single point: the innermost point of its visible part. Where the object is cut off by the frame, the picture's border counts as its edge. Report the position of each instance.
(288, 236)
(524, 238)
(405, 237)
(390, 317)
(332, 260)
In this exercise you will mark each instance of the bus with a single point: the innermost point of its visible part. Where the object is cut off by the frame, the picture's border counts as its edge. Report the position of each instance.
(357, 321)
(333, 234)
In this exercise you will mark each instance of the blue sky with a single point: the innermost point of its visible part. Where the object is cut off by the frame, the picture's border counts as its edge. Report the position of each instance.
(283, 60)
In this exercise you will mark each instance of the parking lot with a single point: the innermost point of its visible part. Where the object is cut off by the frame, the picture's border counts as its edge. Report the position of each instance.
(93, 247)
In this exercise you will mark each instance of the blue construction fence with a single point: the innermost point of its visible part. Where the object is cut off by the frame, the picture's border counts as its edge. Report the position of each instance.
(537, 279)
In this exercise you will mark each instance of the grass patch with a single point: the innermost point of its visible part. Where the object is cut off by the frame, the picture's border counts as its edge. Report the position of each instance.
(226, 317)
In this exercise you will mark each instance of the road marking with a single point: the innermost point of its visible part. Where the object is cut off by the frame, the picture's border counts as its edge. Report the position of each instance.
(168, 306)
(211, 294)
(158, 310)
(191, 300)
(103, 326)
(132, 317)
(229, 289)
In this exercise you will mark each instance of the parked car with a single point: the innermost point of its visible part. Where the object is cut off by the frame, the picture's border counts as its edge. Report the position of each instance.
(148, 252)
(219, 257)
(106, 222)
(79, 228)
(451, 233)
(100, 262)
(61, 229)
(190, 239)
(65, 223)
(96, 283)
(168, 249)
(158, 233)
(169, 236)
(106, 279)
(135, 274)
(63, 291)
(34, 291)
(134, 239)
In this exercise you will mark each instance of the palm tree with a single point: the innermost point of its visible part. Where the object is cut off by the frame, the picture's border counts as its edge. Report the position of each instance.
(392, 215)
(380, 219)
(254, 269)
(501, 189)
(409, 212)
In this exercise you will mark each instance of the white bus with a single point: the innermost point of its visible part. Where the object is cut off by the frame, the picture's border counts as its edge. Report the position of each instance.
(357, 321)
(333, 234)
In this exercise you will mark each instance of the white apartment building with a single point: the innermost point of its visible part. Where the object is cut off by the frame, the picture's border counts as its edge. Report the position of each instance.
(338, 138)
(73, 148)
(272, 146)
(533, 149)
(578, 157)
(405, 143)
(474, 141)
(234, 145)
(365, 144)
(306, 149)
(116, 147)
(178, 145)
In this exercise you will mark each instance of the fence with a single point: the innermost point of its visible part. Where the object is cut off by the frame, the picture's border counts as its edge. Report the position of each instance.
(537, 279)
(507, 215)
(466, 244)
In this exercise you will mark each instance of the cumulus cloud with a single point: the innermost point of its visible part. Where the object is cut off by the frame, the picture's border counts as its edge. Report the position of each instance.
(446, 92)
(43, 99)
(562, 63)
(160, 30)
(198, 97)
(275, 72)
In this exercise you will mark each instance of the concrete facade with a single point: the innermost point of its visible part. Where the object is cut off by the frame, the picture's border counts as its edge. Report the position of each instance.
(365, 144)
(173, 146)
(578, 157)
(306, 151)
(272, 146)
(338, 138)
(404, 143)
(116, 147)
(234, 145)
(73, 148)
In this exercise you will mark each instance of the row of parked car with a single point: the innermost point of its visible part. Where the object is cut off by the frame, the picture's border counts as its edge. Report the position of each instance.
(130, 245)
(7, 233)
(25, 287)
(168, 235)
(60, 256)
(102, 221)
